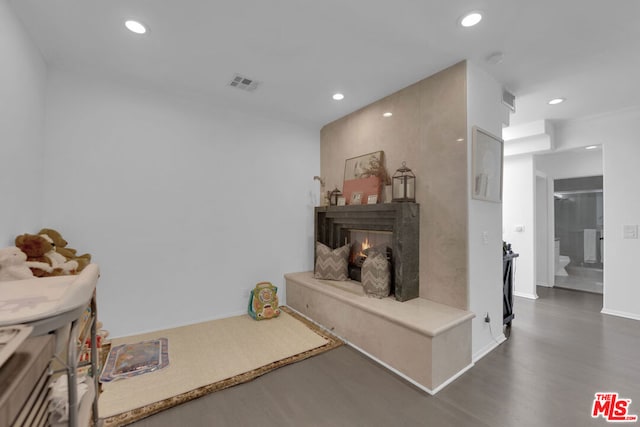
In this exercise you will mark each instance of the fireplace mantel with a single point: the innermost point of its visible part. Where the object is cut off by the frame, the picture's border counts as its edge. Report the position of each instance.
(402, 219)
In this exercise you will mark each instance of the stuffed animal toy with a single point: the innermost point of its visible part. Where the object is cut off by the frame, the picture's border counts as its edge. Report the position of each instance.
(13, 264)
(40, 252)
(60, 246)
(35, 248)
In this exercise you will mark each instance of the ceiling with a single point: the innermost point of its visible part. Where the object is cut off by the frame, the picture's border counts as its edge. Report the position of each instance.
(303, 51)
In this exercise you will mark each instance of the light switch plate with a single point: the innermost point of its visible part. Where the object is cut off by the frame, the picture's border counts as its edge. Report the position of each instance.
(630, 231)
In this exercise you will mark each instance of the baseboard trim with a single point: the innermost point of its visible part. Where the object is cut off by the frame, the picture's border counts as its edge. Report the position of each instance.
(394, 370)
(409, 379)
(179, 325)
(617, 313)
(387, 366)
(316, 323)
(453, 378)
(488, 348)
(525, 295)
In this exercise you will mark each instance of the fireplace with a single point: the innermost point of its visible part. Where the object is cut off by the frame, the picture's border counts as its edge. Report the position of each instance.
(363, 243)
(393, 228)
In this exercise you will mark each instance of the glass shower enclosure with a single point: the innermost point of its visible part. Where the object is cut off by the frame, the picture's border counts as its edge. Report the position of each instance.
(579, 220)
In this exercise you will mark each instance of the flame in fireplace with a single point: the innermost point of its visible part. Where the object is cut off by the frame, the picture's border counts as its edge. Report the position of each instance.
(365, 246)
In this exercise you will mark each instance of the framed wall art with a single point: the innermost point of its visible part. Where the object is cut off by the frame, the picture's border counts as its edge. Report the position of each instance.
(486, 166)
(365, 174)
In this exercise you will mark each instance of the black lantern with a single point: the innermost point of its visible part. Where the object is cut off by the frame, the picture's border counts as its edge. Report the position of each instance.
(333, 197)
(403, 185)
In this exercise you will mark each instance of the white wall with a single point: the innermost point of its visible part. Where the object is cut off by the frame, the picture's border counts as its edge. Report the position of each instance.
(484, 110)
(518, 211)
(618, 134)
(22, 91)
(529, 138)
(570, 164)
(185, 207)
(544, 263)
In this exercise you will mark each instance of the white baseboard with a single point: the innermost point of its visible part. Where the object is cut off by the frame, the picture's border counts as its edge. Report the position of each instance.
(488, 348)
(179, 325)
(408, 379)
(453, 378)
(315, 323)
(525, 295)
(632, 316)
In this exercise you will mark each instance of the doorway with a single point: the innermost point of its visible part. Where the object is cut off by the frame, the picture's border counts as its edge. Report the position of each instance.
(579, 237)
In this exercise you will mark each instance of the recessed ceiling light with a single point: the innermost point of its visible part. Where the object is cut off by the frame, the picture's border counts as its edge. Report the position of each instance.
(135, 27)
(338, 96)
(459, 139)
(556, 101)
(387, 114)
(471, 19)
(591, 147)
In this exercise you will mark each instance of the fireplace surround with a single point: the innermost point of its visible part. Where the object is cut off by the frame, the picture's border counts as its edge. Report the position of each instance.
(334, 223)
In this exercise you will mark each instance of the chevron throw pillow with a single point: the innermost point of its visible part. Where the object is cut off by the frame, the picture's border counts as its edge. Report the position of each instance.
(376, 275)
(332, 264)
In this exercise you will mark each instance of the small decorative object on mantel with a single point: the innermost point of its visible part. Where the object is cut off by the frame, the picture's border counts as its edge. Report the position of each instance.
(334, 196)
(387, 193)
(356, 198)
(404, 185)
(323, 194)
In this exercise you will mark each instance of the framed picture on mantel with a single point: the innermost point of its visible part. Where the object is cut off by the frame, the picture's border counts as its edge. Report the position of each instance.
(364, 174)
(356, 198)
(486, 176)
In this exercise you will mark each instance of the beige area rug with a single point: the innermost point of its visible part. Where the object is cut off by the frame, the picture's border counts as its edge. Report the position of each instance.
(208, 357)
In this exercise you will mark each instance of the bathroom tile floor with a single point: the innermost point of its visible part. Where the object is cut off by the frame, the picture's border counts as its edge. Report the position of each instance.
(580, 283)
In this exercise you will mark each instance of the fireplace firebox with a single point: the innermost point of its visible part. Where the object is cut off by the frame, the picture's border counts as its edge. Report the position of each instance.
(392, 228)
(363, 243)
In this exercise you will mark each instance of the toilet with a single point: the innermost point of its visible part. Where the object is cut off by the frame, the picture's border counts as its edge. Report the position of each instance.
(561, 261)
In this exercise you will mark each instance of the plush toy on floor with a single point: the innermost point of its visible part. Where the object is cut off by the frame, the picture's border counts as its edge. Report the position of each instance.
(40, 253)
(263, 303)
(13, 264)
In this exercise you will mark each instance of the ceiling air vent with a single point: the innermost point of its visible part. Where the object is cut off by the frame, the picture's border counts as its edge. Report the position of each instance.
(509, 100)
(241, 82)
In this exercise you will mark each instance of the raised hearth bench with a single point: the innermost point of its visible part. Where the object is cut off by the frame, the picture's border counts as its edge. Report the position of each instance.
(427, 343)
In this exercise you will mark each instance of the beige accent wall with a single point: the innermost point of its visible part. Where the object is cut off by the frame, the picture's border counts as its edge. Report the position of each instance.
(428, 119)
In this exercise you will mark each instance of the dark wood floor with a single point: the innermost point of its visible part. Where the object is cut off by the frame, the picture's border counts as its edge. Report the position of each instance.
(560, 353)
